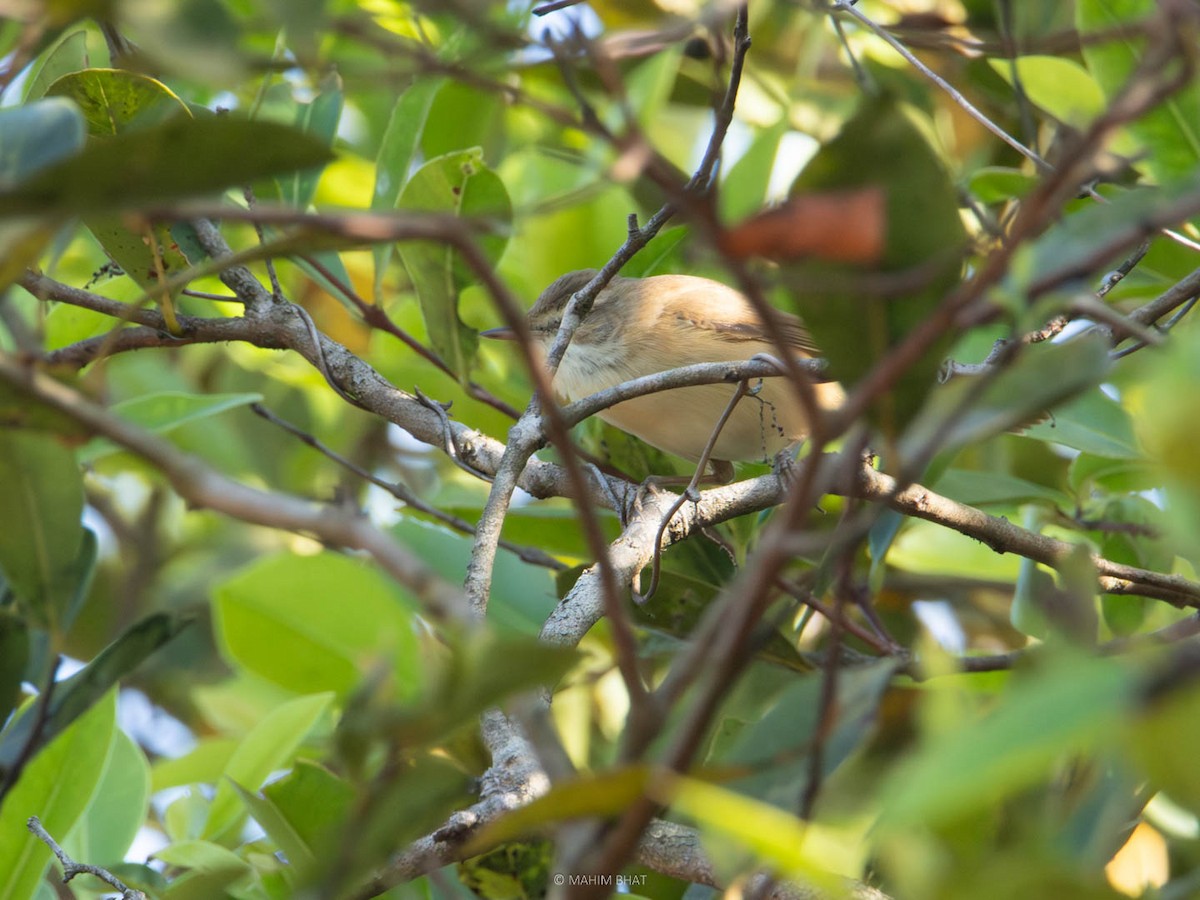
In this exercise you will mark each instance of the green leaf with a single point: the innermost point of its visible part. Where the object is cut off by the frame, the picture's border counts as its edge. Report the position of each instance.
(163, 412)
(56, 786)
(995, 184)
(277, 619)
(399, 147)
(744, 188)
(982, 488)
(41, 506)
(1034, 386)
(1060, 86)
(1169, 134)
(204, 857)
(312, 800)
(319, 119)
(205, 763)
(601, 794)
(1069, 249)
(118, 808)
(458, 184)
(1048, 715)
(180, 158)
(776, 747)
(68, 54)
(522, 595)
(884, 144)
(269, 746)
(115, 101)
(74, 696)
(777, 839)
(1094, 423)
(278, 829)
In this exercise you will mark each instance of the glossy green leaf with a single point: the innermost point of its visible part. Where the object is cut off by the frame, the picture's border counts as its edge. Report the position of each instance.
(270, 745)
(1169, 134)
(115, 101)
(462, 115)
(458, 184)
(118, 808)
(41, 505)
(1060, 86)
(317, 623)
(398, 150)
(1112, 474)
(57, 786)
(180, 158)
(163, 412)
(1049, 715)
(74, 696)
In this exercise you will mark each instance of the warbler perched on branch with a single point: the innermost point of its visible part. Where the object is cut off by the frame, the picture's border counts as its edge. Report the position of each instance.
(643, 326)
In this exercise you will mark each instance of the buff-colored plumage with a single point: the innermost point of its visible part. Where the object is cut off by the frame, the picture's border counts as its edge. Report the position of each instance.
(641, 326)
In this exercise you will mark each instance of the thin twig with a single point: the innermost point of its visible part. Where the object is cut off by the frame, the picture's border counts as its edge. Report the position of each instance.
(71, 868)
(531, 555)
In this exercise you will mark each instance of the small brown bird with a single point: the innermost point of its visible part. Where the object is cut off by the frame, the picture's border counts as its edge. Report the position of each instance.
(642, 326)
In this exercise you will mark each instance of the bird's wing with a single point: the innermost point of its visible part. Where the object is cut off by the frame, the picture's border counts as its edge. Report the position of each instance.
(794, 334)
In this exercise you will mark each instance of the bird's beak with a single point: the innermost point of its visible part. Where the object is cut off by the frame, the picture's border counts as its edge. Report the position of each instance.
(503, 333)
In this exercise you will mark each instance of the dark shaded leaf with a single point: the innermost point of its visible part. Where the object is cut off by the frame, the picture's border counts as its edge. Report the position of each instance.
(183, 157)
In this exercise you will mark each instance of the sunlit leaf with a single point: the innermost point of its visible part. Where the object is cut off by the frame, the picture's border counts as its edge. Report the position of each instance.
(459, 184)
(1169, 134)
(401, 142)
(275, 619)
(1061, 87)
(268, 746)
(163, 412)
(56, 786)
